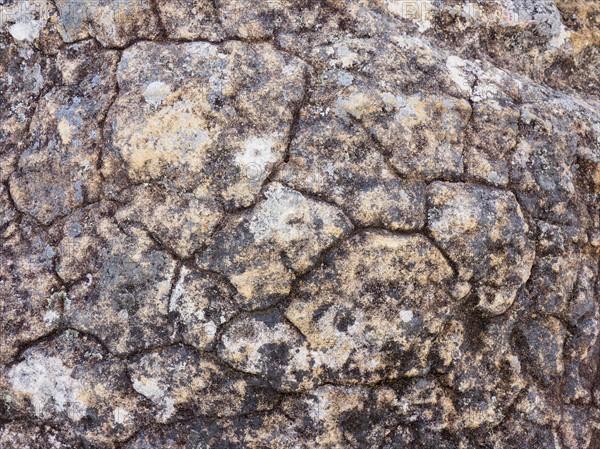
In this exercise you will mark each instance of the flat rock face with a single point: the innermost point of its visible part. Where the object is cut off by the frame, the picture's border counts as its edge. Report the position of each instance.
(298, 224)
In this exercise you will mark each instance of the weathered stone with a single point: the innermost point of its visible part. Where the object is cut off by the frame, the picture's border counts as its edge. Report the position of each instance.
(377, 299)
(212, 124)
(331, 416)
(543, 341)
(180, 383)
(114, 23)
(190, 19)
(485, 372)
(180, 221)
(31, 303)
(262, 251)
(71, 380)
(298, 224)
(24, 434)
(120, 281)
(266, 344)
(360, 182)
(484, 232)
(491, 134)
(7, 211)
(202, 303)
(18, 104)
(58, 172)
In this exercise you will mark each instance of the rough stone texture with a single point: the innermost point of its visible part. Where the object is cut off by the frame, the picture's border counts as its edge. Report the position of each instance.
(114, 23)
(484, 232)
(299, 224)
(261, 252)
(58, 172)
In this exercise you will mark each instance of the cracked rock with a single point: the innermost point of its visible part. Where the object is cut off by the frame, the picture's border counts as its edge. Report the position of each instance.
(202, 303)
(360, 182)
(204, 118)
(484, 232)
(261, 252)
(120, 281)
(341, 224)
(114, 23)
(71, 380)
(31, 303)
(181, 383)
(378, 298)
(58, 172)
(180, 221)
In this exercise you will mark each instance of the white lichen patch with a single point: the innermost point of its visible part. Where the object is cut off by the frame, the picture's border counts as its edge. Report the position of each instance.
(120, 415)
(51, 317)
(457, 69)
(344, 57)
(156, 92)
(358, 104)
(25, 31)
(256, 157)
(48, 384)
(560, 38)
(274, 217)
(406, 315)
(28, 18)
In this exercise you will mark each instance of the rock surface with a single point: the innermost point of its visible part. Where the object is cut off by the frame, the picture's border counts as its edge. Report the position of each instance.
(299, 224)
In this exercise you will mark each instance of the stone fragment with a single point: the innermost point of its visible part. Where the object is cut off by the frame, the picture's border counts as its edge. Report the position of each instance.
(486, 373)
(18, 104)
(359, 416)
(330, 416)
(425, 134)
(120, 282)
(262, 251)
(515, 433)
(190, 19)
(181, 383)
(576, 428)
(542, 165)
(24, 434)
(491, 134)
(224, 121)
(484, 232)
(425, 412)
(7, 211)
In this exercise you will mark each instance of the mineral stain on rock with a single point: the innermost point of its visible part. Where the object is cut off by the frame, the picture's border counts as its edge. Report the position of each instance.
(299, 224)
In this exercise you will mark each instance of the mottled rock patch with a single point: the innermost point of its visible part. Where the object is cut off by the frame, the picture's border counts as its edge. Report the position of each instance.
(298, 224)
